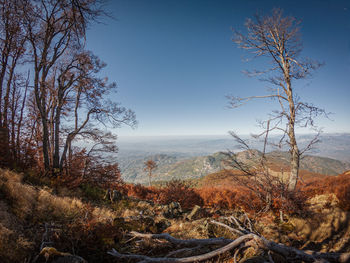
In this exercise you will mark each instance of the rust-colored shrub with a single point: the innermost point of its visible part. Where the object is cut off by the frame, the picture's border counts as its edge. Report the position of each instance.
(342, 190)
(249, 200)
(174, 191)
(291, 203)
(243, 198)
(220, 198)
(343, 194)
(141, 192)
(338, 185)
(179, 191)
(230, 198)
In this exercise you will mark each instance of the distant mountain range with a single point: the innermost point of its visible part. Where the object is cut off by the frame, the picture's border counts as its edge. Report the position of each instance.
(197, 156)
(172, 167)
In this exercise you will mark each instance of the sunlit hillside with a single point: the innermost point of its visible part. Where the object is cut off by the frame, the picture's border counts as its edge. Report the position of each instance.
(170, 167)
(79, 223)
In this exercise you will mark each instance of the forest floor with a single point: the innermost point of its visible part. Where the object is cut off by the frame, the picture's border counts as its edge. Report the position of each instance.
(42, 223)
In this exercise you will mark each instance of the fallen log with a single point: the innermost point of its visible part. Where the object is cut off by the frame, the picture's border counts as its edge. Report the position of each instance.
(230, 246)
(183, 242)
(290, 254)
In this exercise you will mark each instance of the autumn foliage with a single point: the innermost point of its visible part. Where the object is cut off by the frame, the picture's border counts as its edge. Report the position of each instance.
(212, 197)
(181, 192)
(339, 185)
(242, 198)
(173, 191)
(222, 197)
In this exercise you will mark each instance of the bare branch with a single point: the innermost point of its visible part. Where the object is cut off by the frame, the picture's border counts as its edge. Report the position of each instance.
(277, 37)
(232, 245)
(236, 102)
(244, 241)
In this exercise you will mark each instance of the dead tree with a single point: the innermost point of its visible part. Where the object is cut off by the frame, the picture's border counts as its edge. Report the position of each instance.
(277, 38)
(246, 239)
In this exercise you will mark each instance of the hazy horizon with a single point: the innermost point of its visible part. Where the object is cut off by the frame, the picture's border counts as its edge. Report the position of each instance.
(201, 136)
(332, 145)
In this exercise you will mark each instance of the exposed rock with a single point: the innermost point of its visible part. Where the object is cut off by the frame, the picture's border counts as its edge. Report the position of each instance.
(197, 213)
(146, 208)
(172, 210)
(144, 205)
(113, 195)
(130, 213)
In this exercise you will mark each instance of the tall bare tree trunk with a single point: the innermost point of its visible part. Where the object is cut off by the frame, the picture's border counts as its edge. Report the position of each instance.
(45, 131)
(40, 103)
(294, 172)
(4, 61)
(294, 150)
(19, 126)
(56, 154)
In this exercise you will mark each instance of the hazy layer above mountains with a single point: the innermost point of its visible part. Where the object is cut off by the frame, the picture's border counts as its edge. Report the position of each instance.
(336, 146)
(193, 156)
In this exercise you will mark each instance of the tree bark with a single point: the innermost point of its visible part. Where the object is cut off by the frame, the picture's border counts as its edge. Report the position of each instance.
(294, 150)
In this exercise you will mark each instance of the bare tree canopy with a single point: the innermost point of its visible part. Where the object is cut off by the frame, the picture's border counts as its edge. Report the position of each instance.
(277, 37)
(51, 90)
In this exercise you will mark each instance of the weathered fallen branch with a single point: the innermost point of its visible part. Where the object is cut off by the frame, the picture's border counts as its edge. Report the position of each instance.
(183, 250)
(244, 241)
(293, 253)
(233, 244)
(296, 254)
(184, 242)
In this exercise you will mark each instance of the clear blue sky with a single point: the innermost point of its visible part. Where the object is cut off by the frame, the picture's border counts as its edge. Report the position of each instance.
(174, 63)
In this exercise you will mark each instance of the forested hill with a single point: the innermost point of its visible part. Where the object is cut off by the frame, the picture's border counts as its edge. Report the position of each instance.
(179, 167)
(170, 167)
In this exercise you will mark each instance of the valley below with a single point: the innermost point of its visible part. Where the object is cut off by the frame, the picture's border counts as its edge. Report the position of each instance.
(187, 158)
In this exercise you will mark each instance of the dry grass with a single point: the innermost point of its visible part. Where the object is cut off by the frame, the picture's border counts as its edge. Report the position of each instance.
(188, 230)
(25, 205)
(22, 197)
(14, 245)
(328, 226)
(43, 205)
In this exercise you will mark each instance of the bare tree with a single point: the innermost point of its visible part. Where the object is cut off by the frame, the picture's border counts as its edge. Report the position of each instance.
(150, 165)
(277, 37)
(69, 96)
(13, 84)
(83, 100)
(53, 29)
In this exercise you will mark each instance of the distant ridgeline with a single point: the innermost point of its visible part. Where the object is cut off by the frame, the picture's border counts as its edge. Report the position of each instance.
(175, 167)
(170, 167)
